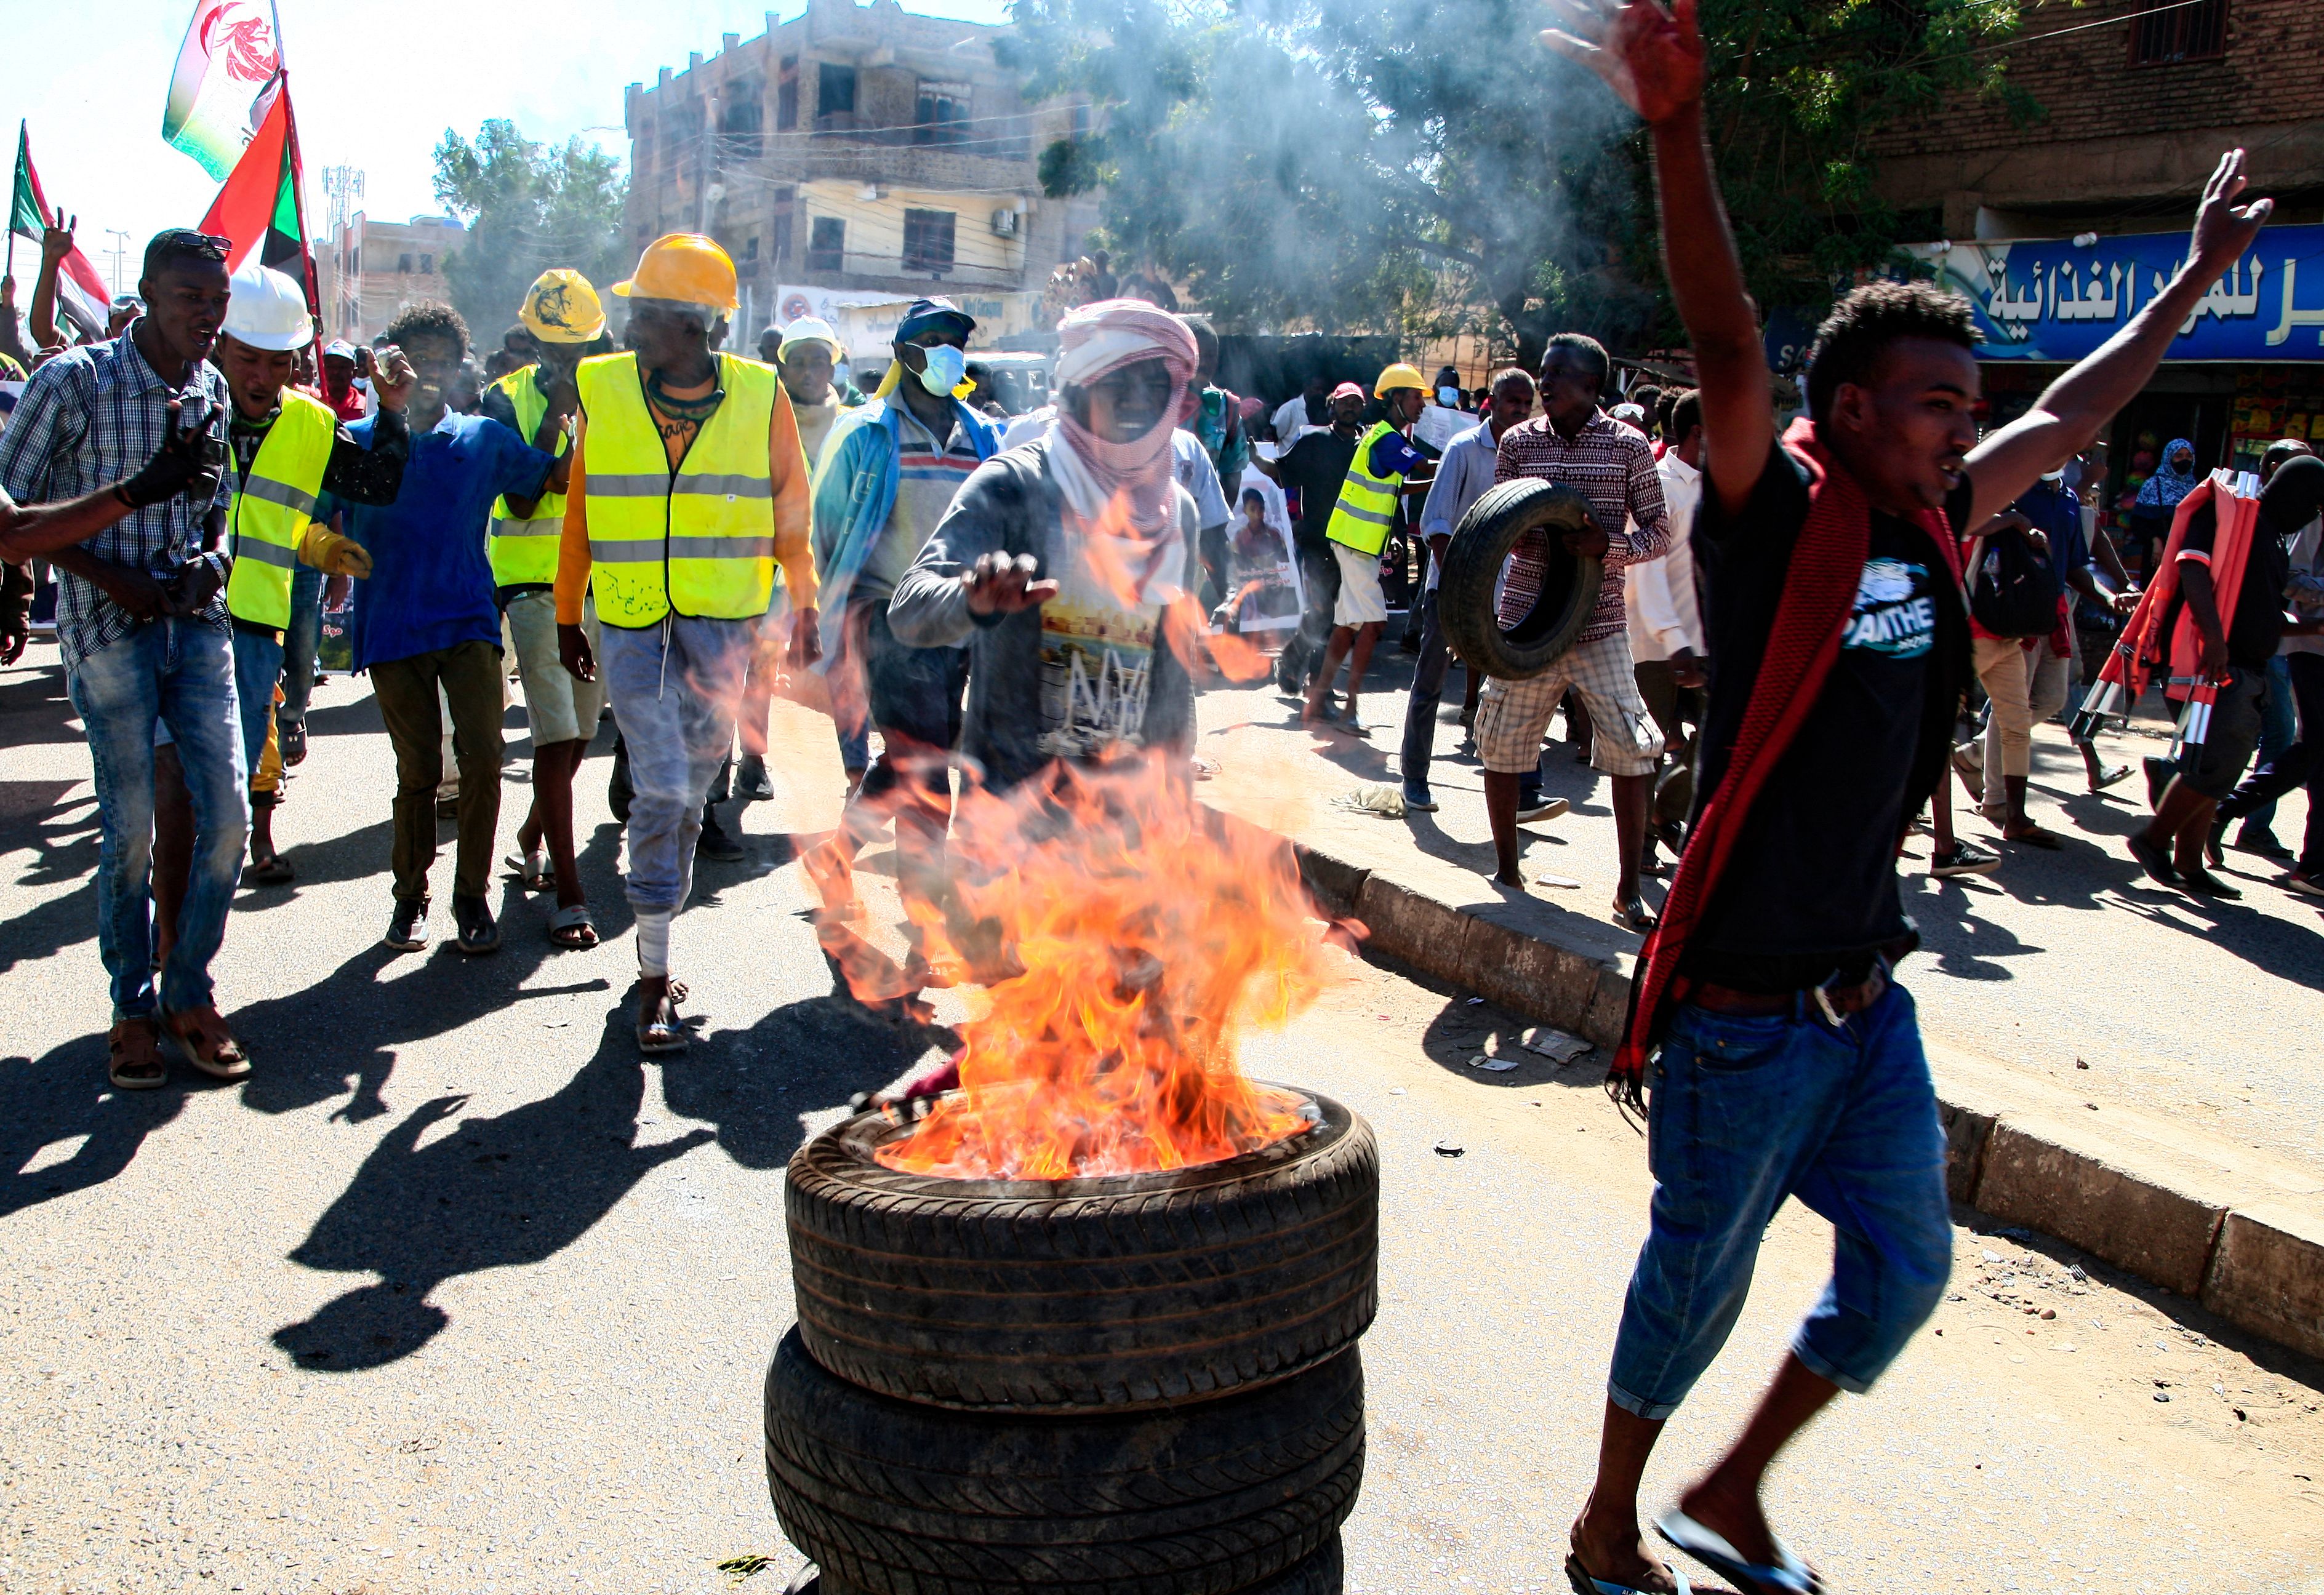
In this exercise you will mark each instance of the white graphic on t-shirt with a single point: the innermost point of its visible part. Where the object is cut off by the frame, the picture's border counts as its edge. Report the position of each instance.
(1889, 617)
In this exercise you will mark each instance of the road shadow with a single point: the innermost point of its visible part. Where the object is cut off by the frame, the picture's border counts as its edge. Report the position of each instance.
(507, 1191)
(759, 1086)
(62, 1097)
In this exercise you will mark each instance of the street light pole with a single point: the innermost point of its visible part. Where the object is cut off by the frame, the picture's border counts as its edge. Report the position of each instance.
(117, 252)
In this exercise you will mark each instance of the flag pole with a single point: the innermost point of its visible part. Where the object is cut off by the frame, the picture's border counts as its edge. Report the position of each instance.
(23, 132)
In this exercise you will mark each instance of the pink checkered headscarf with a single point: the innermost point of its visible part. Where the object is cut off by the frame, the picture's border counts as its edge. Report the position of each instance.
(1098, 339)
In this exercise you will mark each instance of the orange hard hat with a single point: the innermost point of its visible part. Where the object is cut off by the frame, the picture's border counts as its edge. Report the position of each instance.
(686, 267)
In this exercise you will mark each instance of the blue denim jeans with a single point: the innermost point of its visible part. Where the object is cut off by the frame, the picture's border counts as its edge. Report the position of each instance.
(300, 638)
(674, 689)
(1747, 1112)
(257, 665)
(180, 672)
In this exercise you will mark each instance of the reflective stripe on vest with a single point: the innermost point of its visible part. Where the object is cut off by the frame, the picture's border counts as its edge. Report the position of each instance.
(699, 540)
(524, 552)
(273, 506)
(1367, 506)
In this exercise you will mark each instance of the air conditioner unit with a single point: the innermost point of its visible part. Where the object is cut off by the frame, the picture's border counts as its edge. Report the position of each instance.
(1004, 223)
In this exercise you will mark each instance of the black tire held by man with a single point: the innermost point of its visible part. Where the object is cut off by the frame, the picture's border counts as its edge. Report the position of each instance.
(1472, 569)
(894, 1498)
(1323, 1573)
(1089, 1295)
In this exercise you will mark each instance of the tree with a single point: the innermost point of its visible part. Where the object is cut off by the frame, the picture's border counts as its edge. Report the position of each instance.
(1425, 167)
(528, 206)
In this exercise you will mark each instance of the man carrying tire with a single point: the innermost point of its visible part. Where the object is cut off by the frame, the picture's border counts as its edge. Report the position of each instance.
(1611, 465)
(1361, 519)
(1462, 478)
(1783, 1060)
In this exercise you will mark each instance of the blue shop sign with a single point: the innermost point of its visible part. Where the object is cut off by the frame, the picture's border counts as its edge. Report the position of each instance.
(2050, 300)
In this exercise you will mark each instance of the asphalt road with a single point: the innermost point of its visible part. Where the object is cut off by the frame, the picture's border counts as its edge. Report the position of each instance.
(458, 1295)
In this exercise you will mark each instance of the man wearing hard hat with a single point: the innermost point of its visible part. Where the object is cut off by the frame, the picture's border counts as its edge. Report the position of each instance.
(287, 450)
(1358, 531)
(567, 325)
(688, 488)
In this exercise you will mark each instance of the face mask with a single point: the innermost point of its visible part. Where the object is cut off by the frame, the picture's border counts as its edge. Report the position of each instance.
(945, 367)
(1450, 398)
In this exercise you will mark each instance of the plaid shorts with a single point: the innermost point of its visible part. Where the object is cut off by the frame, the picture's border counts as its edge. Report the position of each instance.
(1512, 715)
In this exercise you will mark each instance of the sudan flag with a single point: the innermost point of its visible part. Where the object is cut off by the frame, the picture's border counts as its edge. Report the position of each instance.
(81, 296)
(259, 207)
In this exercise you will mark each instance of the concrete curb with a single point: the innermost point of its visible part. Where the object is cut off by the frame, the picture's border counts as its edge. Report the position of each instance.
(2256, 1263)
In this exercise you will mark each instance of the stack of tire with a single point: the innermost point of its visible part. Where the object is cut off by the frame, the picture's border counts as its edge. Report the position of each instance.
(1141, 1385)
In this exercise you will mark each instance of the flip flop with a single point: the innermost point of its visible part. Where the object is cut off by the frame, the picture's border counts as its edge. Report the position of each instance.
(273, 871)
(2111, 777)
(532, 871)
(2034, 836)
(654, 1035)
(574, 919)
(1789, 1576)
(1586, 1583)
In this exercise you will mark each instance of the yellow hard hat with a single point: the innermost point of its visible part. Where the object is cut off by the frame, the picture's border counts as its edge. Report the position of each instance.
(686, 267)
(1398, 375)
(561, 307)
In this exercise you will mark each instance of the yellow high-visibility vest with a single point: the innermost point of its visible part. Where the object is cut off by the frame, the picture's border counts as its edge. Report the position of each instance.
(698, 541)
(1367, 506)
(524, 552)
(273, 506)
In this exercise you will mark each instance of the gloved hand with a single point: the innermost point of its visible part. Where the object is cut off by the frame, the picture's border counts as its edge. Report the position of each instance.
(332, 553)
(182, 462)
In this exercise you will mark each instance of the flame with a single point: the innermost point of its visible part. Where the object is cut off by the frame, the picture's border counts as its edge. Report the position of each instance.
(1125, 936)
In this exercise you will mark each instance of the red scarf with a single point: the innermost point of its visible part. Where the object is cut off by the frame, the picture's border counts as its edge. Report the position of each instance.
(1819, 588)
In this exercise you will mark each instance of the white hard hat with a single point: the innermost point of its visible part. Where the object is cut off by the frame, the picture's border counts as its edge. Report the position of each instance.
(268, 310)
(810, 329)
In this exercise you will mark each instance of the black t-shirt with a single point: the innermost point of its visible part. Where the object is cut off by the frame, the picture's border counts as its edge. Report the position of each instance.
(2258, 626)
(1810, 888)
(1317, 465)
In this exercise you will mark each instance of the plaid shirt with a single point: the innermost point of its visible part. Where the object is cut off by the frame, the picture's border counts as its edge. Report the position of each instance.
(91, 418)
(1613, 466)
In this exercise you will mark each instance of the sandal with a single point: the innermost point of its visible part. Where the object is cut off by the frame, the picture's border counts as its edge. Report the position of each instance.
(572, 928)
(293, 735)
(133, 1056)
(2110, 774)
(1788, 1576)
(200, 1033)
(275, 870)
(532, 870)
(1586, 1583)
(656, 1034)
(2034, 836)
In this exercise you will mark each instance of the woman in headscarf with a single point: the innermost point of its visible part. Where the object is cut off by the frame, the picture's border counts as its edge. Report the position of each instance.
(1058, 559)
(2158, 500)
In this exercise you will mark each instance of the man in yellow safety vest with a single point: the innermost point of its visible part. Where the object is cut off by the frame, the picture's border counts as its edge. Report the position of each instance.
(567, 325)
(688, 488)
(1360, 522)
(287, 450)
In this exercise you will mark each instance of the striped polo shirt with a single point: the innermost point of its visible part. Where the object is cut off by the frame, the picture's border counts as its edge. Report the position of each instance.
(928, 475)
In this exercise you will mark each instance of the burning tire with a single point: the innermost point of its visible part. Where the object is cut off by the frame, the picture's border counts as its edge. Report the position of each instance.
(1088, 1295)
(1222, 1497)
(1473, 568)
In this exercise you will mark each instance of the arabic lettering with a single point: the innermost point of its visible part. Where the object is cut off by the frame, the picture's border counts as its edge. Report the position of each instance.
(2295, 318)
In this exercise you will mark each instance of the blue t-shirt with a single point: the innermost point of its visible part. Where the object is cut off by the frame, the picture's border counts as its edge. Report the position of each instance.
(431, 578)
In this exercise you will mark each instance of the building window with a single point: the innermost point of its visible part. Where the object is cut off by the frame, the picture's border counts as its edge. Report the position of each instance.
(779, 244)
(2179, 32)
(834, 90)
(787, 95)
(1080, 122)
(739, 120)
(403, 264)
(826, 245)
(927, 241)
(750, 247)
(943, 113)
(427, 265)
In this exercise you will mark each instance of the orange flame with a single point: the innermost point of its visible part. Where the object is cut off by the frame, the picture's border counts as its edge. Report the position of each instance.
(1126, 935)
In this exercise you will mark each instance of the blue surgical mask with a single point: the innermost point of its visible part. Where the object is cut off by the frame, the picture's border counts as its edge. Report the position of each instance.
(1450, 398)
(945, 367)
